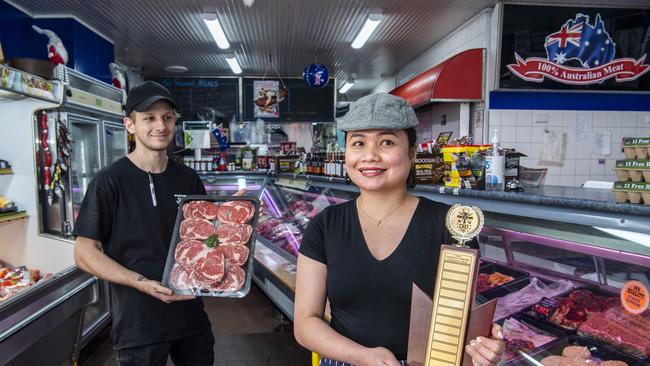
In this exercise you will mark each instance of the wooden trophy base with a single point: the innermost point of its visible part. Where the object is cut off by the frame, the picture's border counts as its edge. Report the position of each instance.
(480, 324)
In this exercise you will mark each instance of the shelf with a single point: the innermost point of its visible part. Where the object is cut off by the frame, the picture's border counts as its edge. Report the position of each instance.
(10, 216)
(6, 171)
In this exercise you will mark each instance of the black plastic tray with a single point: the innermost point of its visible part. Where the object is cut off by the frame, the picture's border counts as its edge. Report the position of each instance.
(508, 288)
(528, 311)
(248, 267)
(541, 328)
(490, 268)
(597, 349)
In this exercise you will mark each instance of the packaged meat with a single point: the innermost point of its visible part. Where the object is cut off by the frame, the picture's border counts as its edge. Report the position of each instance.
(571, 311)
(212, 245)
(575, 350)
(531, 294)
(523, 335)
(13, 281)
(621, 329)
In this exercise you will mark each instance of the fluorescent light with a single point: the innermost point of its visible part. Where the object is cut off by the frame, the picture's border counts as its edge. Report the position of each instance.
(212, 22)
(234, 65)
(371, 24)
(346, 86)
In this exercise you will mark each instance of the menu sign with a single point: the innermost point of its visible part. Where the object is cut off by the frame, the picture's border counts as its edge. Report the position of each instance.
(578, 48)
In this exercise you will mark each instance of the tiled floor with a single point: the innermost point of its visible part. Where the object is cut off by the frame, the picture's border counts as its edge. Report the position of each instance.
(248, 332)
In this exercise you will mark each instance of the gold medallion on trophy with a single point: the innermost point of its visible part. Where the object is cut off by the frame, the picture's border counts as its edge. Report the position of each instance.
(454, 290)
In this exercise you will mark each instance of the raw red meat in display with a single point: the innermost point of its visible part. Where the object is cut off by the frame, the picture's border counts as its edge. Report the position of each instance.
(236, 234)
(187, 253)
(236, 212)
(180, 279)
(618, 327)
(575, 309)
(209, 269)
(200, 210)
(235, 255)
(196, 229)
(232, 281)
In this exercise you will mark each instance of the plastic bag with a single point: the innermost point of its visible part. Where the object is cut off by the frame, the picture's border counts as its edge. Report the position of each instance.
(529, 295)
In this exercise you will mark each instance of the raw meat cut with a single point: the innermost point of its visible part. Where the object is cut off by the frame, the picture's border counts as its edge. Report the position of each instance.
(236, 212)
(235, 255)
(200, 210)
(616, 326)
(515, 346)
(196, 229)
(209, 269)
(236, 234)
(520, 337)
(187, 252)
(180, 279)
(487, 281)
(578, 356)
(232, 281)
(578, 306)
(576, 352)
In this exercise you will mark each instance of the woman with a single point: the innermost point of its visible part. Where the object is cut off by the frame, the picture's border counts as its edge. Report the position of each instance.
(363, 255)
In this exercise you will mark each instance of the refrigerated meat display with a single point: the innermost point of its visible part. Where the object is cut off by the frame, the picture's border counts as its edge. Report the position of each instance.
(534, 245)
(39, 324)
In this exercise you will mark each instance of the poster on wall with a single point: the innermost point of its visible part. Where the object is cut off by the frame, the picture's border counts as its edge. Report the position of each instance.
(575, 48)
(300, 103)
(265, 100)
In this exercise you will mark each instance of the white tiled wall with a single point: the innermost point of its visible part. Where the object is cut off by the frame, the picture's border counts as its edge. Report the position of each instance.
(524, 131)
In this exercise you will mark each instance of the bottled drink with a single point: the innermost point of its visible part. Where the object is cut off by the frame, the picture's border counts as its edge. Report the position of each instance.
(495, 165)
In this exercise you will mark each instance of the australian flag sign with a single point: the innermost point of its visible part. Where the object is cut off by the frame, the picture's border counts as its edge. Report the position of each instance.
(590, 46)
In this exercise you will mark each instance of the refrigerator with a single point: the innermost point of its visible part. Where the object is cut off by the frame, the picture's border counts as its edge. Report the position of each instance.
(85, 134)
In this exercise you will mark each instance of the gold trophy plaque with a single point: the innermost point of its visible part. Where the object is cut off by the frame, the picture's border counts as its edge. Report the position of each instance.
(454, 291)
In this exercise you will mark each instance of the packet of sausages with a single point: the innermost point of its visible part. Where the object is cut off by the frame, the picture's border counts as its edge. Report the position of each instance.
(212, 247)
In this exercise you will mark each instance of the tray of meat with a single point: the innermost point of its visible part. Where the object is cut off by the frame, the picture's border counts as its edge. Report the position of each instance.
(575, 350)
(492, 275)
(620, 329)
(506, 289)
(211, 253)
(531, 294)
(524, 335)
(570, 310)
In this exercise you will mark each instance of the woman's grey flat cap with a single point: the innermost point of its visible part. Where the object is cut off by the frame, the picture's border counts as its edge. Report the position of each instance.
(379, 111)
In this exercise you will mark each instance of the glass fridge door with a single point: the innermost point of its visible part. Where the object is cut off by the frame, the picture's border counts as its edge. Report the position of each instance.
(226, 184)
(115, 142)
(84, 158)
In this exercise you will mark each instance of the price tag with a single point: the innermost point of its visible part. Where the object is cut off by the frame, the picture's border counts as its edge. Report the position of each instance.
(301, 184)
(545, 308)
(634, 297)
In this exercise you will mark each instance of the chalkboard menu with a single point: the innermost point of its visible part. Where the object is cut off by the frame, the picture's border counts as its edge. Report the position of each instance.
(575, 48)
(195, 95)
(302, 104)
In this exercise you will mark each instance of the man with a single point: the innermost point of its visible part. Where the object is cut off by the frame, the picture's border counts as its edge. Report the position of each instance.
(123, 231)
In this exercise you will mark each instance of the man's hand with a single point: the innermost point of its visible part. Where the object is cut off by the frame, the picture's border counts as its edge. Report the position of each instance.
(160, 292)
(487, 351)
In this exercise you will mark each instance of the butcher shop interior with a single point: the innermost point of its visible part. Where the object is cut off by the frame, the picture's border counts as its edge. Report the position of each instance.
(174, 175)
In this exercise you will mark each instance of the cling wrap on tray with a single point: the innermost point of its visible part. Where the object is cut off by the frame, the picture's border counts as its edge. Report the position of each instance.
(621, 329)
(529, 295)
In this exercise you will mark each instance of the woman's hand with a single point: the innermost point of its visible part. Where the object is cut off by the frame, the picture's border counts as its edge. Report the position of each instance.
(487, 351)
(379, 356)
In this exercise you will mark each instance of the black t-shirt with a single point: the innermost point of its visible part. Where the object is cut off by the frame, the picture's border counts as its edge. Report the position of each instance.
(370, 300)
(118, 211)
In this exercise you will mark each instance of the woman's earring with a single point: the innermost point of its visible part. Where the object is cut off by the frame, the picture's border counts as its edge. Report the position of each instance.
(348, 180)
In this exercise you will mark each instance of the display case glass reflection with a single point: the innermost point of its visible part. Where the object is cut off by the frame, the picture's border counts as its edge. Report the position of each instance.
(288, 210)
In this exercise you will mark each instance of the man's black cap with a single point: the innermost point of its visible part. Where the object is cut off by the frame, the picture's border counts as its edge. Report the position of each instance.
(143, 95)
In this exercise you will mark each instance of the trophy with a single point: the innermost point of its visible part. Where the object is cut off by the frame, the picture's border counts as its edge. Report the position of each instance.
(449, 310)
